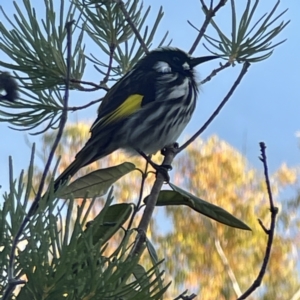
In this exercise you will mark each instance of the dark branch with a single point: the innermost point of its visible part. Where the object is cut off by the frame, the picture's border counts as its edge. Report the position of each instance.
(74, 108)
(111, 55)
(133, 27)
(209, 14)
(263, 158)
(138, 205)
(95, 86)
(270, 232)
(215, 72)
(12, 282)
(151, 202)
(219, 108)
(63, 120)
(183, 296)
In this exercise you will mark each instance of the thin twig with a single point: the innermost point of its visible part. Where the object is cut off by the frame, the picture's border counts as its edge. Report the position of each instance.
(112, 48)
(263, 226)
(209, 13)
(63, 120)
(169, 153)
(263, 158)
(183, 296)
(137, 206)
(95, 86)
(74, 108)
(12, 282)
(133, 27)
(215, 72)
(227, 267)
(219, 108)
(270, 232)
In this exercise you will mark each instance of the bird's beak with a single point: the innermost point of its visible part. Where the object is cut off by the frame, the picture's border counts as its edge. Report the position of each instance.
(199, 60)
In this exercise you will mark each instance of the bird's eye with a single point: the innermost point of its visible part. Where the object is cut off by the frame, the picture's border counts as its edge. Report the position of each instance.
(176, 59)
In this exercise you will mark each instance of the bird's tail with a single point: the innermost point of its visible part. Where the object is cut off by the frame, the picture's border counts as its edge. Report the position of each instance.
(62, 178)
(67, 173)
(83, 158)
(88, 154)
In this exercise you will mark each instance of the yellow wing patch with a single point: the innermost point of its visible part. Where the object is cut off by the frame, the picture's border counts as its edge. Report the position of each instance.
(127, 108)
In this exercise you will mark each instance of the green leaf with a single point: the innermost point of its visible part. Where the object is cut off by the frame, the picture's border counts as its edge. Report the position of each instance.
(105, 226)
(247, 41)
(180, 197)
(139, 271)
(155, 261)
(96, 183)
(140, 274)
(152, 252)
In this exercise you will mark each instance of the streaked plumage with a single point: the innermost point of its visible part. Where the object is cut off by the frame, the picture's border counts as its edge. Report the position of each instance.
(146, 110)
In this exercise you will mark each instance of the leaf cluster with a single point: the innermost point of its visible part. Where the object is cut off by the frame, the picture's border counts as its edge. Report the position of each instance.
(64, 257)
(248, 42)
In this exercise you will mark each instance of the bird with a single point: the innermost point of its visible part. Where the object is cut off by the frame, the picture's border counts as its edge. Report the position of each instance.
(145, 111)
(10, 86)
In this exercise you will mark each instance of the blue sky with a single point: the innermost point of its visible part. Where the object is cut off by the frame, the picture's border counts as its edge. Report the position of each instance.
(265, 107)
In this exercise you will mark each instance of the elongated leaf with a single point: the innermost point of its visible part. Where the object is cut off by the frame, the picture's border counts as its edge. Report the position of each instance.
(96, 183)
(248, 40)
(155, 261)
(180, 197)
(115, 216)
(139, 273)
(152, 252)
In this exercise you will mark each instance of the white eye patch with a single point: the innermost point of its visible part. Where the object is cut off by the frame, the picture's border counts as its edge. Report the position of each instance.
(162, 67)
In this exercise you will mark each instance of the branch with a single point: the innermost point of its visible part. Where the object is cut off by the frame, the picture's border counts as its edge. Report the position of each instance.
(270, 232)
(183, 296)
(138, 205)
(215, 72)
(219, 108)
(95, 86)
(296, 295)
(74, 108)
(63, 121)
(133, 27)
(209, 13)
(169, 153)
(227, 267)
(13, 282)
(263, 158)
(111, 55)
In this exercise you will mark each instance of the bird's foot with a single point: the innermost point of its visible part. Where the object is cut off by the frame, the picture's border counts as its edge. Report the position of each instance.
(172, 147)
(162, 169)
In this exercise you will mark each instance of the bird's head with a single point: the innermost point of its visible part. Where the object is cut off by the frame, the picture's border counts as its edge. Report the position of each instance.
(171, 60)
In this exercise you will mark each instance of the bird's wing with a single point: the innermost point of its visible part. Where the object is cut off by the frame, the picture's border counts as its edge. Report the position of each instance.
(128, 95)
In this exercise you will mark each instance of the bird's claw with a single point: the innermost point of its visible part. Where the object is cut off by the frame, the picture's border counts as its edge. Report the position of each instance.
(163, 169)
(164, 150)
